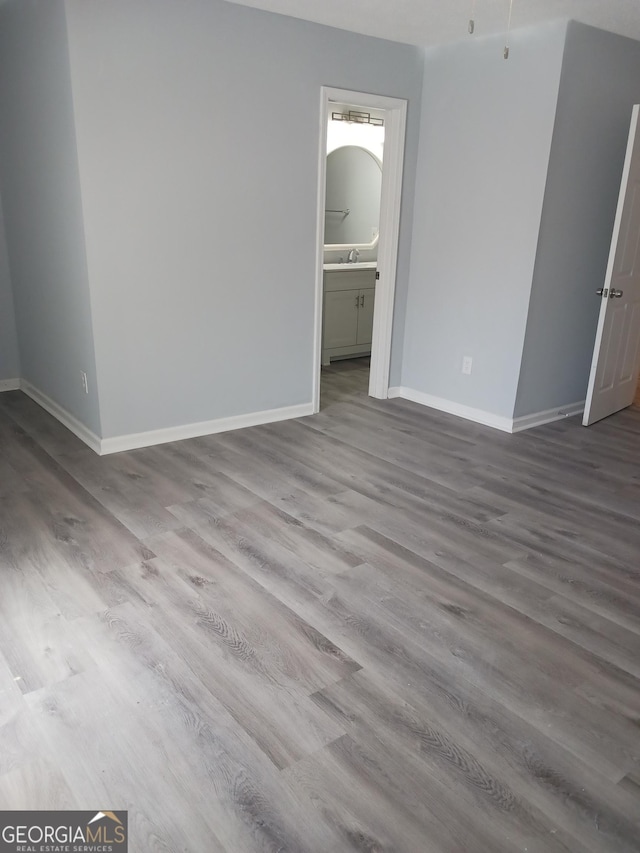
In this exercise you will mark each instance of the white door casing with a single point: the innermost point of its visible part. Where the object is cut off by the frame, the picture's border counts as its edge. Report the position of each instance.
(390, 200)
(616, 356)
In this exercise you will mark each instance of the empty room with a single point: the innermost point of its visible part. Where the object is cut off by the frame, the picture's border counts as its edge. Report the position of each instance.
(319, 426)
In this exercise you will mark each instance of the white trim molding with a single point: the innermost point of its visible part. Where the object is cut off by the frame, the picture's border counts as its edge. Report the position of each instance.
(161, 436)
(62, 415)
(489, 419)
(9, 385)
(547, 417)
(452, 408)
(118, 443)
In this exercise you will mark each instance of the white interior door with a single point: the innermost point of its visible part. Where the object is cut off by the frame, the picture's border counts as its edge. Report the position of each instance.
(616, 356)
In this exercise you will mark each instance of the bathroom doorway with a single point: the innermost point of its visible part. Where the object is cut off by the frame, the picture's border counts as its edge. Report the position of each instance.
(359, 194)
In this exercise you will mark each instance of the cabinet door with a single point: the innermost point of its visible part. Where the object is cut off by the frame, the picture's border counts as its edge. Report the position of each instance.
(340, 318)
(365, 316)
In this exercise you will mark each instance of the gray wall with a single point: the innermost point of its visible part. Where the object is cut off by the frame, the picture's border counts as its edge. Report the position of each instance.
(600, 83)
(43, 214)
(198, 140)
(9, 358)
(484, 149)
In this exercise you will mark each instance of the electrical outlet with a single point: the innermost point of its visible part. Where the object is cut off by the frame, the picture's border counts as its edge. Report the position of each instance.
(85, 384)
(467, 363)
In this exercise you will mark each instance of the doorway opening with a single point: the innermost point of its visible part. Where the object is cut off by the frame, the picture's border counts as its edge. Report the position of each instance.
(361, 157)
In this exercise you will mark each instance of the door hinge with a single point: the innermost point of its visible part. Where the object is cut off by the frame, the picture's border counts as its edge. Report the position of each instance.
(377, 276)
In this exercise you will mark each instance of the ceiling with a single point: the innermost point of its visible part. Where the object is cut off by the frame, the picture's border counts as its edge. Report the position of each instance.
(431, 22)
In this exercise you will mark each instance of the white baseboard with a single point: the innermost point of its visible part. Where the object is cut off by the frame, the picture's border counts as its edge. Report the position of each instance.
(547, 417)
(477, 415)
(9, 385)
(488, 418)
(104, 446)
(133, 441)
(161, 436)
(65, 417)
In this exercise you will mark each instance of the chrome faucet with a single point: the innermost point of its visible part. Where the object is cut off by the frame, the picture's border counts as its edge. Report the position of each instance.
(352, 257)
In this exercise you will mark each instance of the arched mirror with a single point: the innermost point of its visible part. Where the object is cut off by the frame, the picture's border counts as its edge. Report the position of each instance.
(354, 182)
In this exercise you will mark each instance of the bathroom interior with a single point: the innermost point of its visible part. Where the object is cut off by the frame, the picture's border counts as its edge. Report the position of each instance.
(355, 149)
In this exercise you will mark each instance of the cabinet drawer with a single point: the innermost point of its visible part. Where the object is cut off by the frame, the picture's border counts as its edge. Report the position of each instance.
(349, 280)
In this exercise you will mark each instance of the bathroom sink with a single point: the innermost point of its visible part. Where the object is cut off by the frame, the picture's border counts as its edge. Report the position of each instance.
(360, 265)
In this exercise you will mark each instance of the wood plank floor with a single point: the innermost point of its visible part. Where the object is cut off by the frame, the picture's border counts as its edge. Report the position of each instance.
(380, 628)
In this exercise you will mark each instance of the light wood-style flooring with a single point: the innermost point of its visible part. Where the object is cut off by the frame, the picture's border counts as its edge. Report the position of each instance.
(380, 628)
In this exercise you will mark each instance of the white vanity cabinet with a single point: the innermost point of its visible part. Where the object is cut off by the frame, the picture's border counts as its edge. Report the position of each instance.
(347, 317)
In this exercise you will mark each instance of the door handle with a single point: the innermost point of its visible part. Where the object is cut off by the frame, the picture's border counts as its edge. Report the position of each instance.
(615, 294)
(362, 301)
(357, 300)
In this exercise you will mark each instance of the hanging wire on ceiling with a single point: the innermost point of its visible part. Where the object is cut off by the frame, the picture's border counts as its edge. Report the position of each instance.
(472, 23)
(508, 32)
